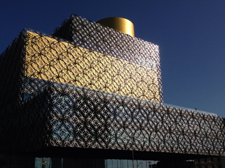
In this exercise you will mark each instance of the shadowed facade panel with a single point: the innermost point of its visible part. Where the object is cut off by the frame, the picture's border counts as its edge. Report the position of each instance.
(107, 121)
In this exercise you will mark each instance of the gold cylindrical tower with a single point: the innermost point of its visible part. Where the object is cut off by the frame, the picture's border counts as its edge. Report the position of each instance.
(121, 24)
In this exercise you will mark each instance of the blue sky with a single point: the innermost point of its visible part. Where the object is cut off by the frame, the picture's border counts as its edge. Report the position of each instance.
(190, 35)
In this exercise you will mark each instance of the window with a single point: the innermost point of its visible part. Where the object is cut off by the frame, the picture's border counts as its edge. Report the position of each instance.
(26, 96)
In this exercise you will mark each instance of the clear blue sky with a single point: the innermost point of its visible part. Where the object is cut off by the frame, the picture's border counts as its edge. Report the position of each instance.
(190, 35)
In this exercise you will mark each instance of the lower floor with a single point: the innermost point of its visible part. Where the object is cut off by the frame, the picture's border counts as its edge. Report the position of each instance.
(8, 161)
(12, 161)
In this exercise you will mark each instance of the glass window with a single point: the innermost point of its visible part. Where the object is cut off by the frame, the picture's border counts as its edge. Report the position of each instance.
(26, 96)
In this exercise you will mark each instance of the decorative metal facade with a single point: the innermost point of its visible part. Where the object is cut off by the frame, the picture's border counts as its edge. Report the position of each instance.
(100, 89)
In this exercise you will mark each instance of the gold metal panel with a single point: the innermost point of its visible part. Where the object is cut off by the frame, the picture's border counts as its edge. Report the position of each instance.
(121, 24)
(62, 62)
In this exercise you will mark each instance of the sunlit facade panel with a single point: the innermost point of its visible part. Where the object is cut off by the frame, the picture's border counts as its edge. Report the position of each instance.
(62, 62)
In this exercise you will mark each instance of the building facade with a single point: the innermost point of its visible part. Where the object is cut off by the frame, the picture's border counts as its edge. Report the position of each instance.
(90, 92)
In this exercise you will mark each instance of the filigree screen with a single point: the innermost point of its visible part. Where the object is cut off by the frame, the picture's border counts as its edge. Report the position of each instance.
(98, 89)
(62, 62)
(129, 51)
(89, 119)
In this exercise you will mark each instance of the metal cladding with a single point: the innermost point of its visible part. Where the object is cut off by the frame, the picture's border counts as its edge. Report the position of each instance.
(98, 89)
(121, 24)
(122, 47)
(78, 66)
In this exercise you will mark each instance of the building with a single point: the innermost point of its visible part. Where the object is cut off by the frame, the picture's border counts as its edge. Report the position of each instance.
(91, 93)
